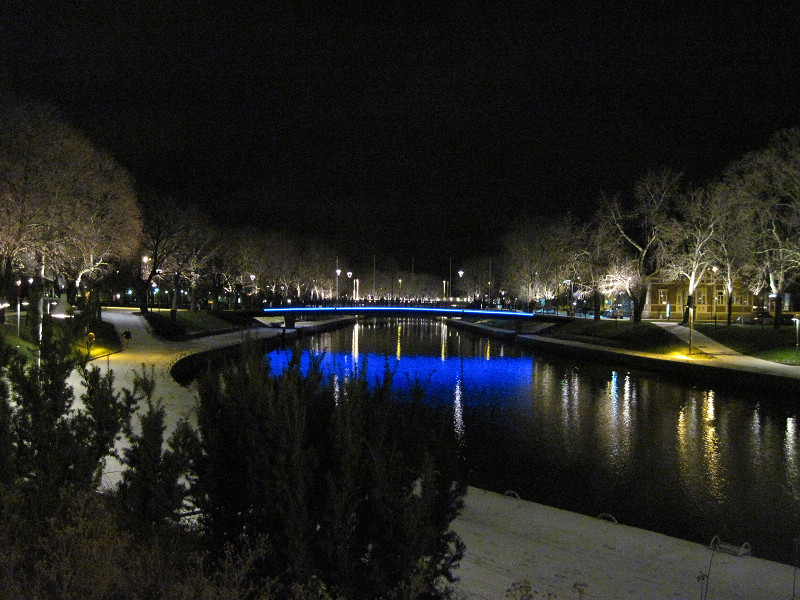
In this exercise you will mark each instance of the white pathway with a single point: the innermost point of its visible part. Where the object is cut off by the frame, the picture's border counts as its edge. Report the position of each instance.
(562, 554)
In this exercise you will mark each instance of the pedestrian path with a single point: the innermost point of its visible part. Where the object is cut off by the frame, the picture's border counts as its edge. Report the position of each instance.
(725, 357)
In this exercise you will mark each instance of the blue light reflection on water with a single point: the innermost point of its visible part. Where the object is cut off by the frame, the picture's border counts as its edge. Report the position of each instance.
(473, 379)
(657, 453)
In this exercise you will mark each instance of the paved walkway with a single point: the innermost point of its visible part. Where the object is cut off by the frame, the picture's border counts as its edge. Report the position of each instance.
(562, 554)
(726, 357)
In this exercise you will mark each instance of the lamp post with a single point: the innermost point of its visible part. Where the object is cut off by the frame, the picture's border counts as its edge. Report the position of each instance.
(338, 272)
(349, 276)
(450, 276)
(796, 334)
(444, 289)
(19, 289)
(399, 289)
(714, 269)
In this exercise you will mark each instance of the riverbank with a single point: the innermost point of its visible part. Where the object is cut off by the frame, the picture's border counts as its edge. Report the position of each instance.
(711, 363)
(509, 540)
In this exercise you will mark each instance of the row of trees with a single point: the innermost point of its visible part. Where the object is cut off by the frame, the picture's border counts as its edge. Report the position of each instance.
(745, 225)
(67, 210)
(70, 215)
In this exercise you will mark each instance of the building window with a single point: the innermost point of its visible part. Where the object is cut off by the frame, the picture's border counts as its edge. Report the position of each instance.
(662, 296)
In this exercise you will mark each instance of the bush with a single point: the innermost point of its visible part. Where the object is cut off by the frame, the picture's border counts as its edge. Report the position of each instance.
(350, 485)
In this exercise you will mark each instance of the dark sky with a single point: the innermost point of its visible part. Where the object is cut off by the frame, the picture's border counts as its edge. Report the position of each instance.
(404, 133)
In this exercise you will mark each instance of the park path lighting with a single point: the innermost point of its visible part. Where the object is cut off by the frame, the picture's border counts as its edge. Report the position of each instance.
(350, 276)
(796, 335)
(19, 289)
(714, 270)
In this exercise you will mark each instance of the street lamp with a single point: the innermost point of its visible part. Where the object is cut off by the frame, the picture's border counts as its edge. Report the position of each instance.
(19, 288)
(399, 289)
(338, 272)
(714, 269)
(796, 334)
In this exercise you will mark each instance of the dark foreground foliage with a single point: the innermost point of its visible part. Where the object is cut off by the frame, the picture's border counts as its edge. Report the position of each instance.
(351, 486)
(302, 489)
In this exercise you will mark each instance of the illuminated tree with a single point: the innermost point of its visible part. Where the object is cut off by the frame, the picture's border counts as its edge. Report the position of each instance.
(685, 240)
(190, 263)
(539, 256)
(593, 259)
(639, 227)
(163, 229)
(731, 249)
(68, 209)
(769, 181)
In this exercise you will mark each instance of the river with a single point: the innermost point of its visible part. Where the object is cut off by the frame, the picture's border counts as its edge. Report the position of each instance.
(651, 450)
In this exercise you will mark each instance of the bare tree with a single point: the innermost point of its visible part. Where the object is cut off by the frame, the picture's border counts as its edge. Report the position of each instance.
(538, 256)
(163, 229)
(189, 264)
(593, 259)
(684, 245)
(731, 249)
(68, 208)
(769, 180)
(639, 226)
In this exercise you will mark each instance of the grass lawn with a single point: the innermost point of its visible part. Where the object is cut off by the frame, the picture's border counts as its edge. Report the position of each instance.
(642, 337)
(186, 322)
(200, 321)
(766, 343)
(624, 334)
(104, 341)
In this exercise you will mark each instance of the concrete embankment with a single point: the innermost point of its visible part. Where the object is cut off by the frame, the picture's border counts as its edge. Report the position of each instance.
(187, 368)
(724, 369)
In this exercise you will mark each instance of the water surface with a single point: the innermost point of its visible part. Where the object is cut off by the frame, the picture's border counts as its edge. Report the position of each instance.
(653, 451)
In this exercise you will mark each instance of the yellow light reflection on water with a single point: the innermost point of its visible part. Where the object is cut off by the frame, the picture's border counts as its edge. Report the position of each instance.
(699, 455)
(711, 448)
(354, 345)
(443, 340)
(399, 345)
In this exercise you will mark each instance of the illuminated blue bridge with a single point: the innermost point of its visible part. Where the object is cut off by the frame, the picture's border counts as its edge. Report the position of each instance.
(292, 313)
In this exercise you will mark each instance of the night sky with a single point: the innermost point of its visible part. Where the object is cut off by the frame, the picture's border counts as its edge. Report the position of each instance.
(405, 133)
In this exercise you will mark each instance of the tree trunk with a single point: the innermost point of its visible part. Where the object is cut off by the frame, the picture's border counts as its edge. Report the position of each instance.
(730, 308)
(639, 297)
(778, 310)
(142, 288)
(176, 292)
(597, 305)
(688, 312)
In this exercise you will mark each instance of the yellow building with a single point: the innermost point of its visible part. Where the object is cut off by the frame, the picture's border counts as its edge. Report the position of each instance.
(667, 299)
